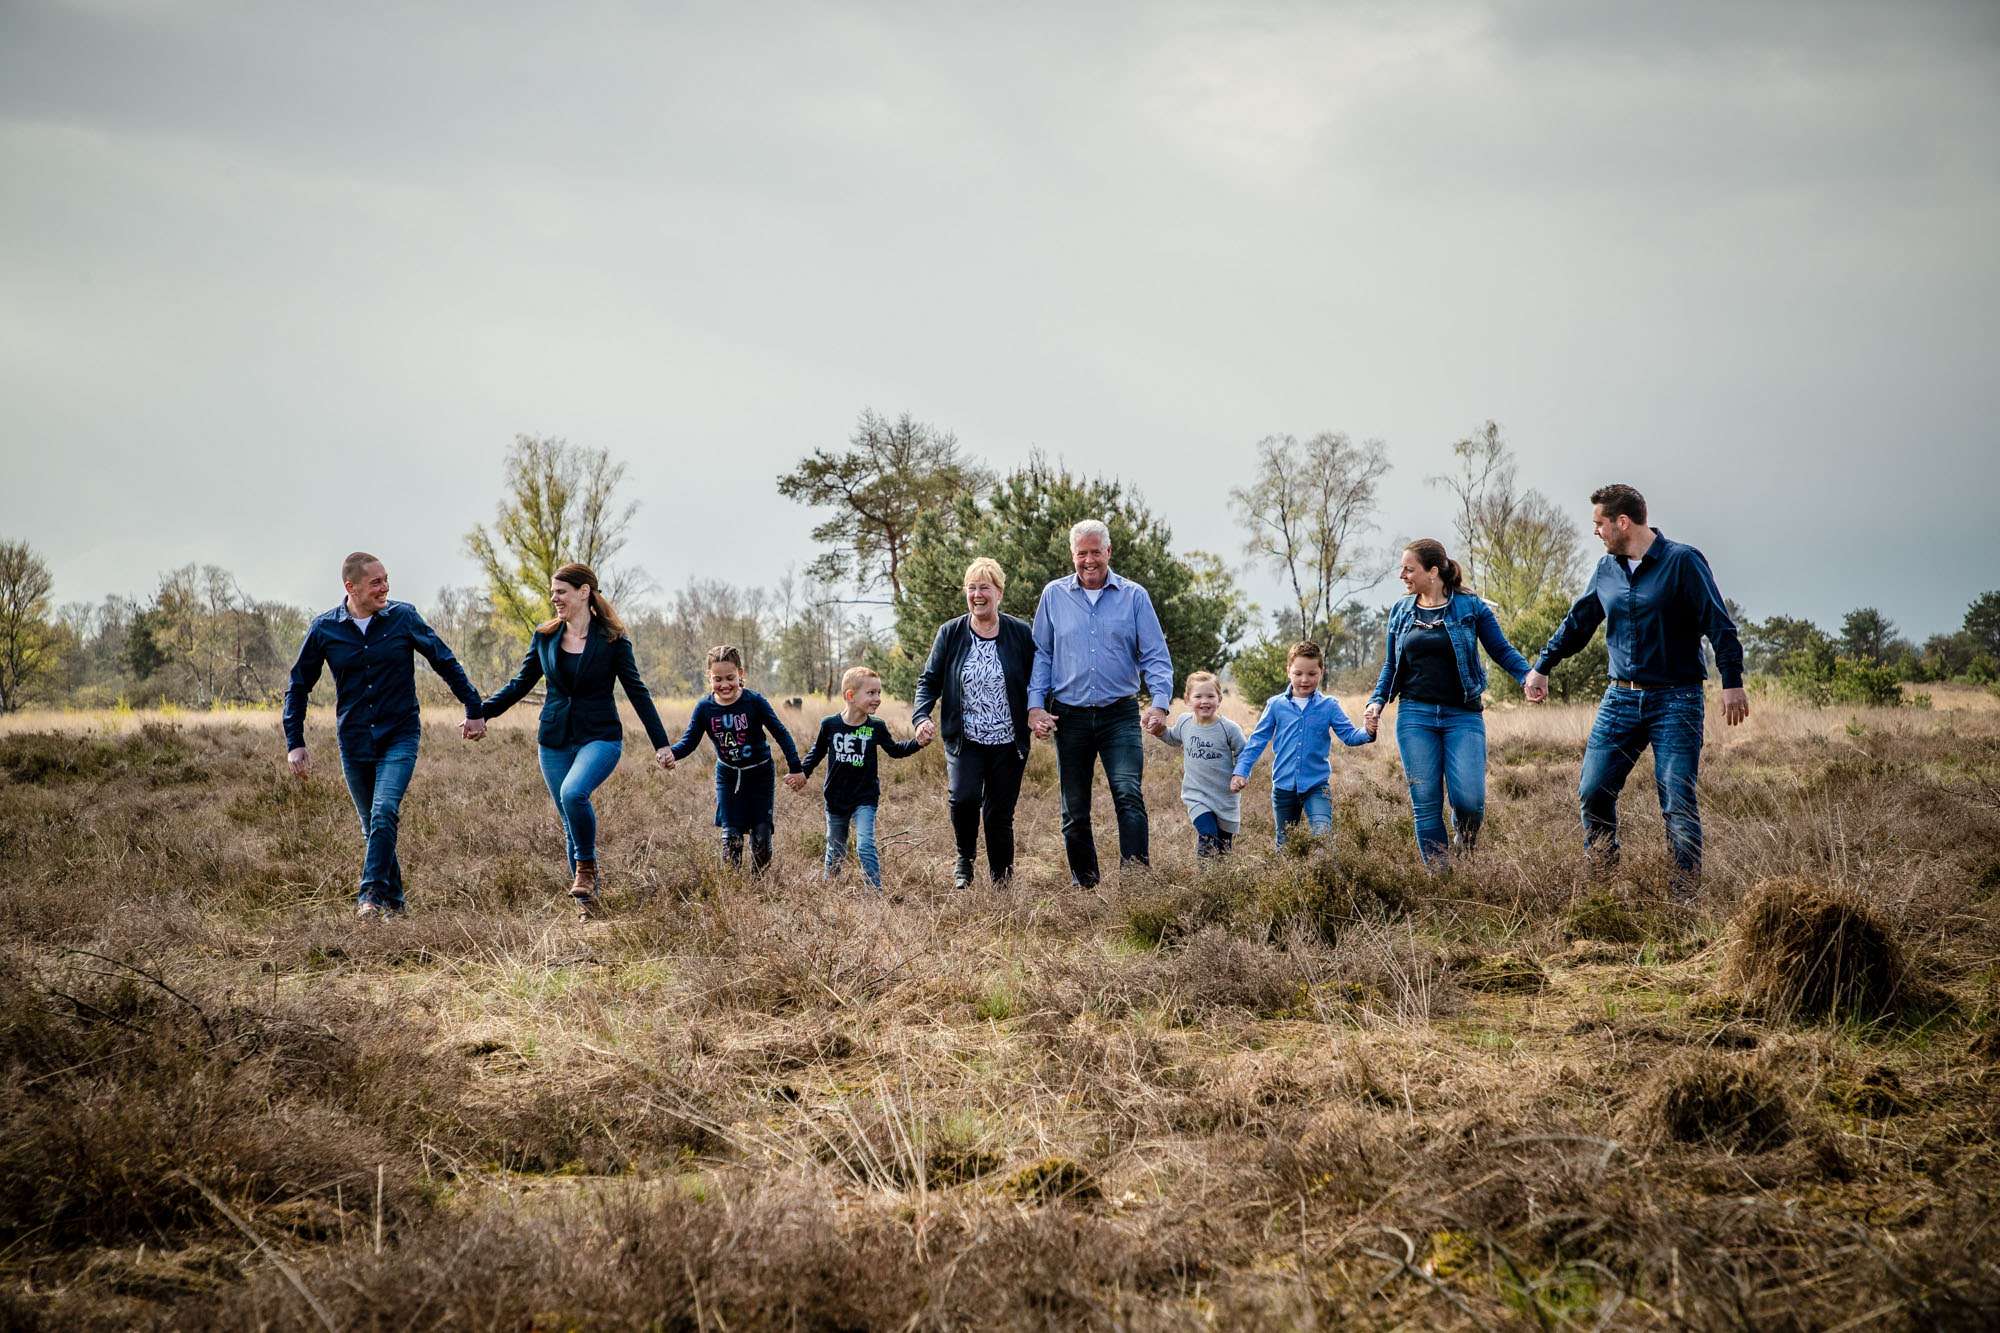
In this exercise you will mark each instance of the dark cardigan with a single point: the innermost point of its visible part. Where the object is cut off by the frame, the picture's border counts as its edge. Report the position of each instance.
(940, 687)
(590, 712)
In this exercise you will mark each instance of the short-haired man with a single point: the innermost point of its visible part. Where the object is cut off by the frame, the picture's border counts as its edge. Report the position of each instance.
(1657, 600)
(1097, 642)
(368, 641)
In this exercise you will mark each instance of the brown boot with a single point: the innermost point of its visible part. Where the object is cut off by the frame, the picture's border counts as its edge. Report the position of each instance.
(584, 887)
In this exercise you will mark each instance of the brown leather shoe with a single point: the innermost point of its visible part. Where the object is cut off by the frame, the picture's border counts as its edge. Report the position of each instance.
(584, 887)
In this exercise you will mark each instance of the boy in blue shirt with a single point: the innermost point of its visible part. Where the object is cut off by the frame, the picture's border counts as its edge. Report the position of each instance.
(735, 718)
(1297, 726)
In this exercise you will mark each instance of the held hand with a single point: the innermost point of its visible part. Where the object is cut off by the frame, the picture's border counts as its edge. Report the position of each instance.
(1042, 722)
(926, 729)
(796, 781)
(1155, 720)
(1535, 687)
(472, 728)
(301, 762)
(664, 756)
(1735, 705)
(1237, 783)
(1371, 719)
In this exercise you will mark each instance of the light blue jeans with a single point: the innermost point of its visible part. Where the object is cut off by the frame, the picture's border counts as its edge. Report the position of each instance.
(1444, 757)
(862, 821)
(573, 773)
(1315, 807)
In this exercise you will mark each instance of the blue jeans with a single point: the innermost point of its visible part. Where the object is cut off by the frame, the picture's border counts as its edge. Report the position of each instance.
(1670, 720)
(1315, 807)
(862, 820)
(573, 773)
(377, 786)
(1084, 737)
(1444, 757)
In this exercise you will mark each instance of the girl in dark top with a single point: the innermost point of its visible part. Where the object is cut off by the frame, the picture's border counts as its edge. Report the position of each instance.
(736, 718)
(976, 680)
(581, 653)
(1432, 662)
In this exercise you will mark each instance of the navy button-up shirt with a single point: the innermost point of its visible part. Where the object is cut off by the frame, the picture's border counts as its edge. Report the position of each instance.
(1654, 619)
(374, 676)
(1091, 654)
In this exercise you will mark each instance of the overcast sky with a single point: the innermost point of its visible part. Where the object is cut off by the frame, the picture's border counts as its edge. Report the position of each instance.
(277, 281)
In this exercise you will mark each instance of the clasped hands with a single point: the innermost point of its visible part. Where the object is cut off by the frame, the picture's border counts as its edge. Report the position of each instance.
(1043, 723)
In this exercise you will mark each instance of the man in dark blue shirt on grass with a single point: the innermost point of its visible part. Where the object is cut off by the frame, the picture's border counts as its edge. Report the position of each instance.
(1657, 600)
(367, 641)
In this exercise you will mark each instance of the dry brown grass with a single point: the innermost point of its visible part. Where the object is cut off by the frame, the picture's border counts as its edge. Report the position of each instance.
(1288, 1091)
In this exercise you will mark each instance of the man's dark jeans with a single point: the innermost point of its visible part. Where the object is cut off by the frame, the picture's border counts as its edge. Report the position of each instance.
(1085, 736)
(377, 786)
(1670, 720)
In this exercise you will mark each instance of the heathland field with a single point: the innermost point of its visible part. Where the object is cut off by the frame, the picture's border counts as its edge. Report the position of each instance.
(1306, 1090)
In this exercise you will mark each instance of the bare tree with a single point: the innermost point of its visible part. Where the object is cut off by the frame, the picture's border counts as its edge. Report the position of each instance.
(1306, 511)
(27, 647)
(890, 474)
(1517, 548)
(560, 505)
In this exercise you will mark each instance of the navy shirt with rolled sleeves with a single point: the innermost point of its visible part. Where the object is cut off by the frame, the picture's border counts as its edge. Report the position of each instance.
(374, 676)
(1092, 654)
(1654, 619)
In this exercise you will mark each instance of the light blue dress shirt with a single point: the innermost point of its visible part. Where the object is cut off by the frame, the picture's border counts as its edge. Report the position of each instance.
(1298, 738)
(1091, 655)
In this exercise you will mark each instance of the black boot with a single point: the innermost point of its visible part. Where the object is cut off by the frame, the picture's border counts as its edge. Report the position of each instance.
(961, 874)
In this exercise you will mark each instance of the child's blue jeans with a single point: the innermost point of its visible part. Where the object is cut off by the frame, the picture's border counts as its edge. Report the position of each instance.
(862, 821)
(1315, 807)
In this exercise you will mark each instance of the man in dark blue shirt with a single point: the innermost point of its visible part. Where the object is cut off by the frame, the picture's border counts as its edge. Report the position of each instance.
(367, 641)
(1657, 600)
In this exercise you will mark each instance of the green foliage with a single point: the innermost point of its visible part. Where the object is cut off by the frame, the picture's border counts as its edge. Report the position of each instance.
(1982, 623)
(27, 641)
(559, 505)
(1582, 676)
(1867, 634)
(1024, 524)
(890, 475)
(1844, 680)
(1260, 668)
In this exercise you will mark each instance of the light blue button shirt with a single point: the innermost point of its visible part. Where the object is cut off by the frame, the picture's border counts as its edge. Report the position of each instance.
(1299, 739)
(1091, 655)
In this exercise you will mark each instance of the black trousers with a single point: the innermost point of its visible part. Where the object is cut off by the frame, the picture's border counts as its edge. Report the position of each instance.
(985, 783)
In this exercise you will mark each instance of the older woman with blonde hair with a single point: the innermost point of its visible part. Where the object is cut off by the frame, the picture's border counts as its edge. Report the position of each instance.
(976, 681)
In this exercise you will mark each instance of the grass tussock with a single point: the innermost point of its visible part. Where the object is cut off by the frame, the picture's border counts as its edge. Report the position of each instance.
(1720, 1101)
(1805, 950)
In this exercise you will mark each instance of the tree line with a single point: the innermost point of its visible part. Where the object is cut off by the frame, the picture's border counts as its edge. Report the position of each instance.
(903, 508)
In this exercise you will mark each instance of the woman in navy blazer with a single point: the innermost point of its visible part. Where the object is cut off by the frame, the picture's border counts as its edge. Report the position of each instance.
(581, 653)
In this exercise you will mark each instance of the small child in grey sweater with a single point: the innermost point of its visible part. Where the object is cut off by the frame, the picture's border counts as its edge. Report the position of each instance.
(1210, 744)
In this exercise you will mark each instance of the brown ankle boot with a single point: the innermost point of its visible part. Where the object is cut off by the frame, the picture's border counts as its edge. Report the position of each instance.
(584, 887)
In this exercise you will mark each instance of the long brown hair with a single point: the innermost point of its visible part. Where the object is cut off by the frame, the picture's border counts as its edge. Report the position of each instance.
(1429, 552)
(580, 576)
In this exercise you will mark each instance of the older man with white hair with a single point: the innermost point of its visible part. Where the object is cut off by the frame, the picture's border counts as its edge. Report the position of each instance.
(1097, 643)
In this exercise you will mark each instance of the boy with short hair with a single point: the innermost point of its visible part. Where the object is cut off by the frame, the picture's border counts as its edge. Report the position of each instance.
(1297, 725)
(736, 718)
(848, 741)
(1209, 744)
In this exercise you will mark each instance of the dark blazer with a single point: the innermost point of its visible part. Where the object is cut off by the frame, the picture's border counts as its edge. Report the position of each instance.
(939, 686)
(591, 713)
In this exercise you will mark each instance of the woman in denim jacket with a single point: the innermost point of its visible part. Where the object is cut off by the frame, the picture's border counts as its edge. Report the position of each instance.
(1433, 663)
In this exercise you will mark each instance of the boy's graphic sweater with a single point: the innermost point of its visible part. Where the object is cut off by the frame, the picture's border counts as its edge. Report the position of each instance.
(1299, 738)
(849, 750)
(738, 732)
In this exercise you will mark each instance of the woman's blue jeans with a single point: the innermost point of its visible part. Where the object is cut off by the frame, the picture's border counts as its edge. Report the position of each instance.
(862, 821)
(1670, 720)
(1444, 758)
(573, 773)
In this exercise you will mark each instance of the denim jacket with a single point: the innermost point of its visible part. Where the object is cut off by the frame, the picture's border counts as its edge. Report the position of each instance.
(1468, 622)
